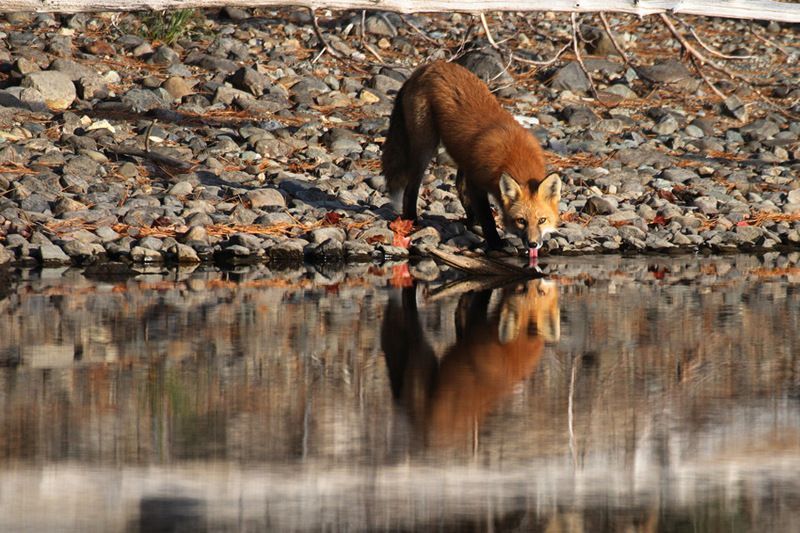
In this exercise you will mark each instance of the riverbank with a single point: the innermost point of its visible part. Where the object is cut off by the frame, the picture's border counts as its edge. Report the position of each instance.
(239, 143)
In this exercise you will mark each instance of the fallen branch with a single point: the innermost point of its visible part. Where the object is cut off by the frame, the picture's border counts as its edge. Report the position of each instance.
(326, 46)
(751, 9)
(482, 266)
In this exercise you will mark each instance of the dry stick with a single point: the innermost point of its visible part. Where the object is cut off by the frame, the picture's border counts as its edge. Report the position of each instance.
(705, 79)
(769, 42)
(577, 51)
(147, 135)
(488, 32)
(708, 48)
(418, 30)
(318, 31)
(617, 46)
(693, 53)
(732, 75)
(514, 57)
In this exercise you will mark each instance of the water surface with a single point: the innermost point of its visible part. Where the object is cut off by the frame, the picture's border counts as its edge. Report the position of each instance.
(654, 394)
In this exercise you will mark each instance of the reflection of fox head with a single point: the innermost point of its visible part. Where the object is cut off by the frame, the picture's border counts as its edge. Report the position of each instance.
(530, 210)
(500, 337)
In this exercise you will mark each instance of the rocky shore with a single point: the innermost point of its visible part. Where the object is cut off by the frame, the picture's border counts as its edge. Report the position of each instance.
(230, 137)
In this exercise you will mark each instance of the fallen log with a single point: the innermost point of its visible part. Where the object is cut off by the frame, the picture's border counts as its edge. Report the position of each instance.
(741, 9)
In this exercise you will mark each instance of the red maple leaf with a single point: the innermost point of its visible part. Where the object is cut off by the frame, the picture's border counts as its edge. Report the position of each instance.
(332, 218)
(401, 277)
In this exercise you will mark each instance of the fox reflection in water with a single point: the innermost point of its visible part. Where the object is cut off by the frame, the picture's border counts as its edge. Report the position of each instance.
(500, 336)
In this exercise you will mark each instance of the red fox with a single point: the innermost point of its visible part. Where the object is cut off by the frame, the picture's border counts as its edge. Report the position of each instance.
(495, 155)
(497, 348)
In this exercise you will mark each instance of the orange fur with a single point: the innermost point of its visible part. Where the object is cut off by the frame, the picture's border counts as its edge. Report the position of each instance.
(444, 102)
(494, 352)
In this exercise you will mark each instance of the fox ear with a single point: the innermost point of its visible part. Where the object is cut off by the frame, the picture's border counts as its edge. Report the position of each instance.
(510, 190)
(550, 189)
(508, 327)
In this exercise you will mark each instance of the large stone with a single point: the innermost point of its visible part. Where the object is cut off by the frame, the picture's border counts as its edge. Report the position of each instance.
(262, 198)
(570, 78)
(50, 254)
(669, 71)
(56, 88)
(248, 79)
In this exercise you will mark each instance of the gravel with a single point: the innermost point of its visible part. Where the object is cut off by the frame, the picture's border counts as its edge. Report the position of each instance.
(280, 152)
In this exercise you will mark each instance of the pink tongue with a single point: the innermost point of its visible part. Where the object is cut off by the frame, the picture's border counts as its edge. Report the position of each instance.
(533, 254)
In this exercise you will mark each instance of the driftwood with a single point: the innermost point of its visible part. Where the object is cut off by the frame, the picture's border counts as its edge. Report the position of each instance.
(743, 9)
(480, 266)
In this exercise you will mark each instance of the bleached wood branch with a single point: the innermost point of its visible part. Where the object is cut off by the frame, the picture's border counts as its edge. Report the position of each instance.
(742, 9)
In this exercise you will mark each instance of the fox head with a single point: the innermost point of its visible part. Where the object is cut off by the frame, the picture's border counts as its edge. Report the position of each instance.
(531, 310)
(530, 211)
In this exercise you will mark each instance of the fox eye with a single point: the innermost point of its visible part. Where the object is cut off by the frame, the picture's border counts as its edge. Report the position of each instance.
(542, 220)
(522, 222)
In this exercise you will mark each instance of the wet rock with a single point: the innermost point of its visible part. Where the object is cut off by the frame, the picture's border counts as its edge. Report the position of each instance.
(52, 255)
(56, 88)
(140, 254)
(184, 254)
(290, 250)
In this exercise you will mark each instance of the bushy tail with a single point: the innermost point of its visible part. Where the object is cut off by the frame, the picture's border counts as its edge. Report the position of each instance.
(395, 158)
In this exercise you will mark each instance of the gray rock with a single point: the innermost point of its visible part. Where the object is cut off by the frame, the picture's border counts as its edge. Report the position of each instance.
(385, 84)
(571, 78)
(290, 250)
(269, 198)
(177, 87)
(142, 100)
(321, 235)
(487, 65)
(759, 130)
(50, 254)
(597, 205)
(73, 69)
(248, 79)
(5, 256)
(151, 243)
(56, 88)
(184, 254)
(666, 126)
(735, 107)
(793, 197)
(140, 254)
(668, 71)
(678, 175)
(182, 188)
(164, 56)
(378, 25)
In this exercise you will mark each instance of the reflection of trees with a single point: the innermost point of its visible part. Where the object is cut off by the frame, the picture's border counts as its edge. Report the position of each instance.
(157, 370)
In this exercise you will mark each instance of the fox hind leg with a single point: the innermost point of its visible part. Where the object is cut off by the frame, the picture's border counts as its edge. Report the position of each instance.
(463, 196)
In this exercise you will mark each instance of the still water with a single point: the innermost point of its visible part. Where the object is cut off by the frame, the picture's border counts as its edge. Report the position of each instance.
(658, 394)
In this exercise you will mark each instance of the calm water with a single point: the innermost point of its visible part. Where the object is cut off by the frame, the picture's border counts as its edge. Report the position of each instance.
(616, 395)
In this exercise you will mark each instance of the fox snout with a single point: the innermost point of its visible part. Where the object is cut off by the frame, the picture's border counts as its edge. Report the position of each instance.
(530, 212)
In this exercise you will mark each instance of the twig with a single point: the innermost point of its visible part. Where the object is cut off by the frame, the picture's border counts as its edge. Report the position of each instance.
(769, 42)
(147, 135)
(318, 31)
(708, 48)
(374, 52)
(719, 68)
(155, 157)
(698, 59)
(418, 30)
(488, 32)
(578, 57)
(706, 79)
(617, 46)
